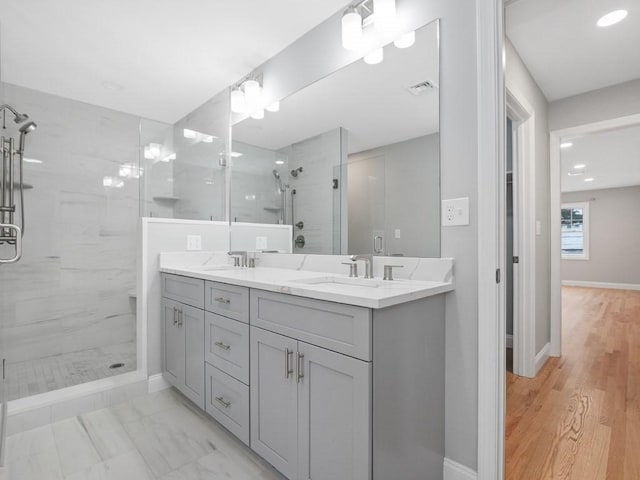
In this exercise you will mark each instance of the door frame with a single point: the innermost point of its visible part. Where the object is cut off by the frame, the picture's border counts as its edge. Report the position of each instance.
(524, 187)
(555, 169)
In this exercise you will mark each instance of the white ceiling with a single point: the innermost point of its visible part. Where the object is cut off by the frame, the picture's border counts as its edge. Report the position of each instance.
(370, 101)
(170, 56)
(566, 52)
(612, 159)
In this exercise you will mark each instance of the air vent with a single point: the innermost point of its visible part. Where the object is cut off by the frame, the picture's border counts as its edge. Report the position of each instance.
(422, 87)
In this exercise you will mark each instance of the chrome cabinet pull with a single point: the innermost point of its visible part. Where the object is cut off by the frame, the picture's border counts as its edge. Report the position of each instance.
(222, 300)
(180, 318)
(175, 316)
(299, 374)
(223, 346)
(287, 367)
(223, 402)
(378, 245)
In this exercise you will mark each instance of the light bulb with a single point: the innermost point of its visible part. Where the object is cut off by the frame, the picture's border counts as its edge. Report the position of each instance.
(384, 12)
(612, 18)
(252, 94)
(238, 103)
(374, 57)
(258, 114)
(406, 40)
(351, 29)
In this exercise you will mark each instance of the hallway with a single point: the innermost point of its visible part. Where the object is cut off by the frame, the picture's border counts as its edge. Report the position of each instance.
(580, 418)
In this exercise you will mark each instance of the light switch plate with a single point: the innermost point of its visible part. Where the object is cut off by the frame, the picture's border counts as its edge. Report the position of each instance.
(538, 227)
(455, 212)
(397, 233)
(194, 242)
(261, 243)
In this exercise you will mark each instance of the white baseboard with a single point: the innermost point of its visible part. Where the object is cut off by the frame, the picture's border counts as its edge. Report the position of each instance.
(456, 471)
(542, 357)
(509, 340)
(614, 286)
(157, 383)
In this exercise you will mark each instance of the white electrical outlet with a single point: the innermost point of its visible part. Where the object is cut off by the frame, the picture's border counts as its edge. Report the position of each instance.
(261, 243)
(194, 242)
(455, 212)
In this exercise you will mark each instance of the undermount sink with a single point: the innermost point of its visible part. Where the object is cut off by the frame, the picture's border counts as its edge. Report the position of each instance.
(353, 282)
(213, 268)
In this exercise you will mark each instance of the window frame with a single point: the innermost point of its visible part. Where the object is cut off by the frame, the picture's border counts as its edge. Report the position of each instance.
(585, 229)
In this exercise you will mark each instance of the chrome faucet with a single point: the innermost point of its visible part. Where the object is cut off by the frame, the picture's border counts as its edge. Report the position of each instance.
(239, 256)
(368, 263)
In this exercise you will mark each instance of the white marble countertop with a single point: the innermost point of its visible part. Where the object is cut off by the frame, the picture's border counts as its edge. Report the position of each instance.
(333, 287)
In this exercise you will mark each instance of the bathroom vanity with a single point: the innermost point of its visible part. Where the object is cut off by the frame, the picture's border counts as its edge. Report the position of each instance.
(324, 376)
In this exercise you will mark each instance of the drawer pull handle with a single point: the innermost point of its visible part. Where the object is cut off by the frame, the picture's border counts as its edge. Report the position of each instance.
(175, 316)
(223, 402)
(223, 346)
(299, 374)
(287, 367)
(222, 300)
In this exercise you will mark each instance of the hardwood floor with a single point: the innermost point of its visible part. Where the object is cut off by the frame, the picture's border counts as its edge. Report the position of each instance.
(580, 417)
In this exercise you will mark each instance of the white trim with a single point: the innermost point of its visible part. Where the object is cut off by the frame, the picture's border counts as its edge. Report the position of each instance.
(157, 383)
(555, 189)
(611, 286)
(542, 357)
(456, 471)
(522, 111)
(585, 230)
(509, 340)
(491, 117)
(62, 395)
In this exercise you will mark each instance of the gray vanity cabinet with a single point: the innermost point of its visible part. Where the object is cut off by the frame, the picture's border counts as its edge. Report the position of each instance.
(182, 336)
(310, 409)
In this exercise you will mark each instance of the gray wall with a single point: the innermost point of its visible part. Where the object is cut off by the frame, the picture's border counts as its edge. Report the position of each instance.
(519, 78)
(604, 104)
(410, 176)
(614, 237)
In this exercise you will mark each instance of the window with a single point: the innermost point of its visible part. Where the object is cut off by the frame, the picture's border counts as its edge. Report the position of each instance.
(575, 231)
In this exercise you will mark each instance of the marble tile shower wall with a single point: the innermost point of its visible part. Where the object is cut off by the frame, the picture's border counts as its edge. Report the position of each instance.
(70, 291)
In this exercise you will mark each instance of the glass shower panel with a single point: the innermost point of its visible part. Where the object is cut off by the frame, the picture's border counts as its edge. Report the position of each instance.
(68, 311)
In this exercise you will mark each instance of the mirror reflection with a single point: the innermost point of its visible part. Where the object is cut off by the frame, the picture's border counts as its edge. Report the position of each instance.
(352, 161)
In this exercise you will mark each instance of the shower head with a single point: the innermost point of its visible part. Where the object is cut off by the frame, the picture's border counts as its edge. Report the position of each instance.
(294, 173)
(17, 117)
(276, 174)
(27, 127)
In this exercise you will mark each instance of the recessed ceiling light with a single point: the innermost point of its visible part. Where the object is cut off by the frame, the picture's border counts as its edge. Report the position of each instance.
(236, 154)
(566, 145)
(279, 162)
(579, 166)
(590, 179)
(612, 18)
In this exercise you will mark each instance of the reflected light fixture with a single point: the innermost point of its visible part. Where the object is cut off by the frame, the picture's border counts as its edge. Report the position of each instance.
(351, 29)
(274, 107)
(579, 166)
(31, 160)
(375, 56)
(279, 162)
(566, 145)
(189, 133)
(238, 103)
(258, 114)
(236, 154)
(384, 15)
(612, 18)
(590, 179)
(406, 40)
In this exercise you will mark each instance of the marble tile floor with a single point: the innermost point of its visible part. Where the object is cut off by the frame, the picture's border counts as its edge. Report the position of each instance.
(158, 436)
(41, 375)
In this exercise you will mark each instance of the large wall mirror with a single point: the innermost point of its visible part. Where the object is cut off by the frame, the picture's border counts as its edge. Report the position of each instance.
(351, 161)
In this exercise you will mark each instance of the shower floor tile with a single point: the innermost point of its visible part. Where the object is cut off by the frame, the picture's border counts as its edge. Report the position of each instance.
(42, 375)
(158, 436)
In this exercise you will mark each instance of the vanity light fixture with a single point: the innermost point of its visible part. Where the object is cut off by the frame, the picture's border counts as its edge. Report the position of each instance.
(579, 166)
(351, 29)
(566, 145)
(189, 133)
(258, 114)
(274, 107)
(406, 40)
(612, 18)
(374, 57)
(236, 154)
(111, 182)
(238, 103)
(590, 179)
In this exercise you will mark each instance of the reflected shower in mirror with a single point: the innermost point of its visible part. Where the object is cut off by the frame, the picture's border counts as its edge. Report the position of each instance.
(352, 160)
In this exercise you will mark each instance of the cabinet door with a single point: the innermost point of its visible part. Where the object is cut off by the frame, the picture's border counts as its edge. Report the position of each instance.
(191, 322)
(334, 415)
(274, 400)
(172, 344)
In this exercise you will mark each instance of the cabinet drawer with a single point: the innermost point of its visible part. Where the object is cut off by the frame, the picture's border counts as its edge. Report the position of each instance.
(228, 300)
(227, 400)
(227, 346)
(183, 289)
(341, 328)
